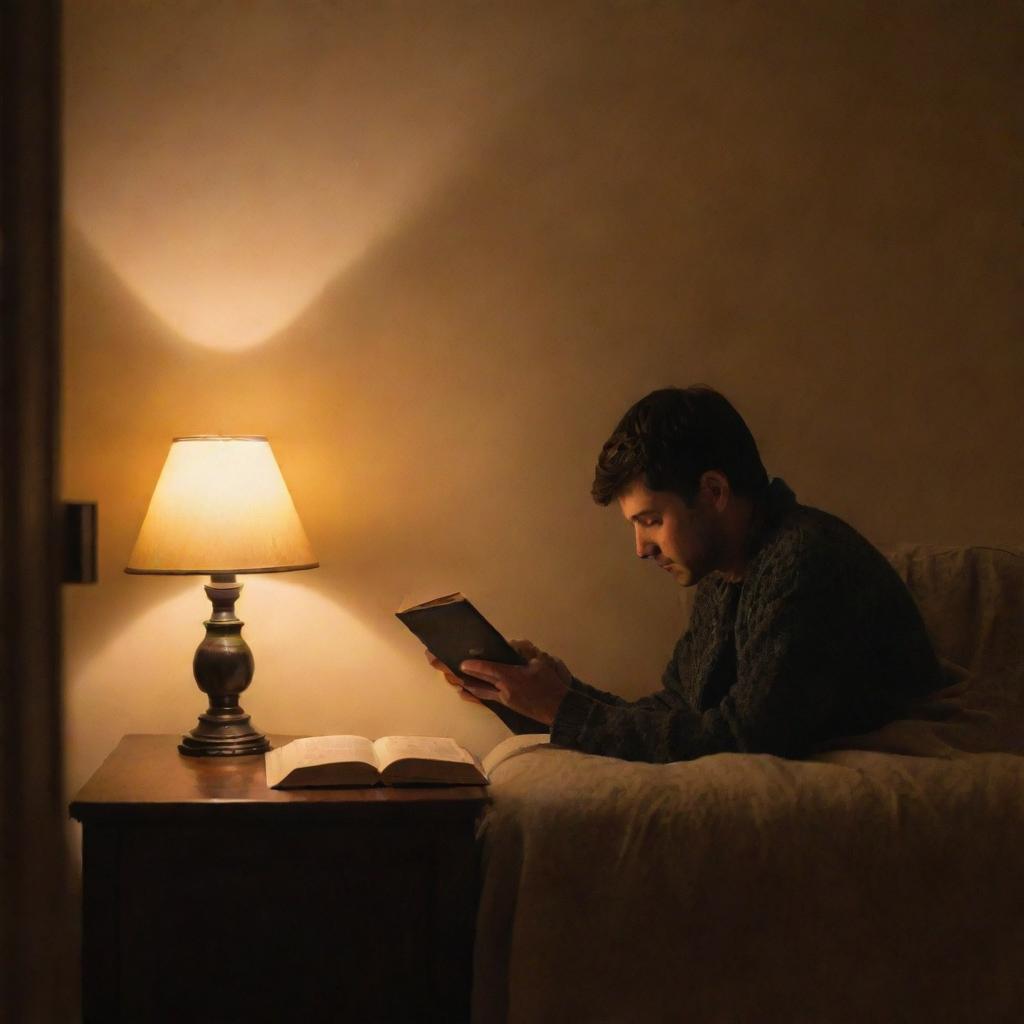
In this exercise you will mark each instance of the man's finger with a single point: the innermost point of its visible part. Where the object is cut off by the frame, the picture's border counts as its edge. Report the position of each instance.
(434, 661)
(483, 692)
(450, 677)
(487, 670)
(559, 666)
(526, 648)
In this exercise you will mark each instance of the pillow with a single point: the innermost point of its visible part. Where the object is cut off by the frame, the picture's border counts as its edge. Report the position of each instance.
(971, 599)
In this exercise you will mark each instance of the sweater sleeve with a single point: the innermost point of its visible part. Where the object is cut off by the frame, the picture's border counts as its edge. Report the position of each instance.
(670, 695)
(781, 695)
(583, 706)
(666, 698)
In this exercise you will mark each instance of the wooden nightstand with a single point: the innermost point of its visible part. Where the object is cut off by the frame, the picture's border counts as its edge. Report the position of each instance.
(210, 898)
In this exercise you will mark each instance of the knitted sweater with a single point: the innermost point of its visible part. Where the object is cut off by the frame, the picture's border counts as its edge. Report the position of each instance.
(820, 639)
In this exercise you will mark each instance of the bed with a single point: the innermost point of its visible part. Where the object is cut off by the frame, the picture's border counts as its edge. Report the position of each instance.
(881, 879)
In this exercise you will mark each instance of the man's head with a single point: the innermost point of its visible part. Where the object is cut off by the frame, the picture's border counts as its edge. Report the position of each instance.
(686, 472)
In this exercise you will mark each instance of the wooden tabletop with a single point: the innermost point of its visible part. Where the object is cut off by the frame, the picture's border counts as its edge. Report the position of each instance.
(146, 778)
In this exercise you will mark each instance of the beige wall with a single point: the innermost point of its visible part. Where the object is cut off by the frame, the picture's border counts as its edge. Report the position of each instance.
(433, 251)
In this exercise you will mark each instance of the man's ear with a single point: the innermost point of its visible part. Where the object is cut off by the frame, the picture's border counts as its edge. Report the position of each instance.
(716, 485)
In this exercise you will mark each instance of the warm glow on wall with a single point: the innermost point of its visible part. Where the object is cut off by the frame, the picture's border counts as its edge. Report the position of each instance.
(229, 276)
(228, 259)
(232, 165)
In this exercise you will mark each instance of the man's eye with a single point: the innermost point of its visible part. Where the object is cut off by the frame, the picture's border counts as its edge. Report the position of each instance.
(650, 522)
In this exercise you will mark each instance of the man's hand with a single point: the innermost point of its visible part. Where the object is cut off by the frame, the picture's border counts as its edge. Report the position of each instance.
(535, 689)
(451, 678)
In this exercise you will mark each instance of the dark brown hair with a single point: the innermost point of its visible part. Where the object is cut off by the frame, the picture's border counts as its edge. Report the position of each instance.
(670, 437)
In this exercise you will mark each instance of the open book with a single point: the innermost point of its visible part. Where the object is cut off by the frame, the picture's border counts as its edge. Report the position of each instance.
(391, 760)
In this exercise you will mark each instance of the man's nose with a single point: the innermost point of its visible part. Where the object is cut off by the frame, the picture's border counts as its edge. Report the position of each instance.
(645, 548)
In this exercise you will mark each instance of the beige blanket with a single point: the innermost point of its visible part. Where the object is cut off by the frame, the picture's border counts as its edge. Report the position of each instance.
(880, 881)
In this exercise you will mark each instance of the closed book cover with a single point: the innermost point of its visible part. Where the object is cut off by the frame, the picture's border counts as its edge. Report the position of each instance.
(453, 630)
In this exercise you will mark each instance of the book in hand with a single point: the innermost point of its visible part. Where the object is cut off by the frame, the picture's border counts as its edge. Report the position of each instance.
(391, 761)
(452, 629)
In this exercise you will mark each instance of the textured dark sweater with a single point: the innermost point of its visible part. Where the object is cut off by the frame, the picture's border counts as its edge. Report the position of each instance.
(820, 639)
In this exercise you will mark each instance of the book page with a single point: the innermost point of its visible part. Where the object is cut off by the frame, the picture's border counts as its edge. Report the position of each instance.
(422, 748)
(409, 605)
(511, 746)
(316, 750)
(329, 749)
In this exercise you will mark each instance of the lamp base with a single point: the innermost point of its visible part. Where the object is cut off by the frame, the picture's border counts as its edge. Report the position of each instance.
(223, 667)
(223, 736)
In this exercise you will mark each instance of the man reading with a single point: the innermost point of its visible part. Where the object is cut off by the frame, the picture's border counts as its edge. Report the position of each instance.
(801, 631)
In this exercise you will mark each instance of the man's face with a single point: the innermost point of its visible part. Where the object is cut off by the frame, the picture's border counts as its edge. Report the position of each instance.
(684, 541)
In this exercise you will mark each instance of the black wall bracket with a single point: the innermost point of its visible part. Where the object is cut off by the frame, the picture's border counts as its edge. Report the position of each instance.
(80, 542)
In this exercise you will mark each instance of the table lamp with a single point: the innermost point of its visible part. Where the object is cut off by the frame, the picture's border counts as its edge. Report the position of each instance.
(221, 508)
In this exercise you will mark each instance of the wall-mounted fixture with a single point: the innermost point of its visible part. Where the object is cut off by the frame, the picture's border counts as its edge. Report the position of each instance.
(80, 542)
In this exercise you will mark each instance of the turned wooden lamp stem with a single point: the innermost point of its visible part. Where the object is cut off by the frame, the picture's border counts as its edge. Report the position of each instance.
(223, 668)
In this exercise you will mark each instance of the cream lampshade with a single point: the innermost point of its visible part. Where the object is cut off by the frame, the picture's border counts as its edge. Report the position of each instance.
(220, 508)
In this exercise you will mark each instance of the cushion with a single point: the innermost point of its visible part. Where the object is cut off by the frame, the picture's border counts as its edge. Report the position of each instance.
(971, 599)
(972, 602)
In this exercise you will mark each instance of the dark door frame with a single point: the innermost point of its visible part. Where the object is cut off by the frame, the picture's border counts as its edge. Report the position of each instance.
(36, 948)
